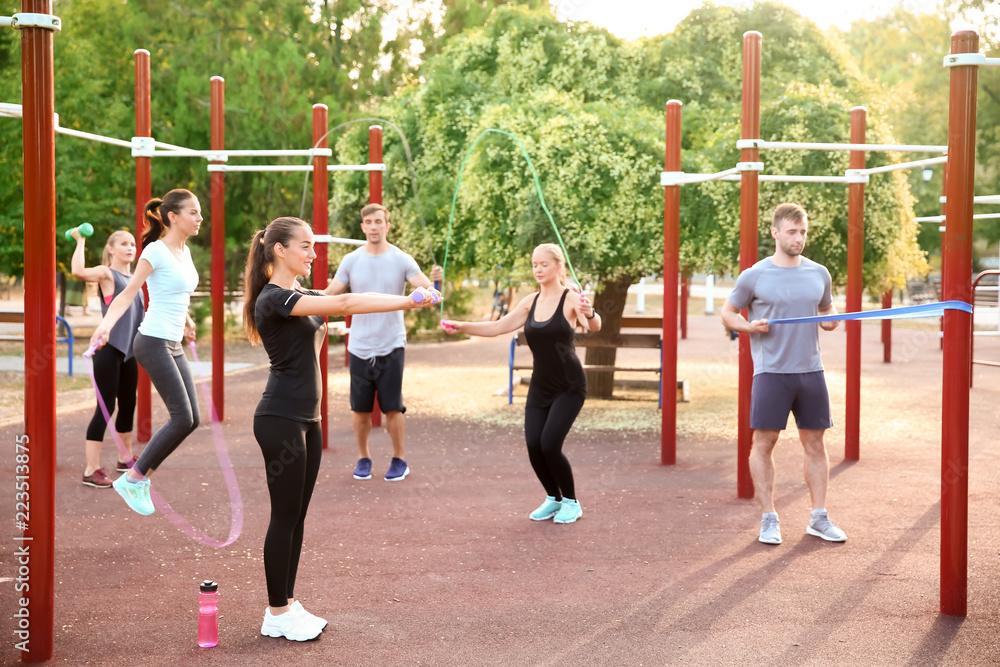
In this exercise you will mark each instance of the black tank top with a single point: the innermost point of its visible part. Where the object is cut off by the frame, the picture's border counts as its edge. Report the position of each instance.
(556, 368)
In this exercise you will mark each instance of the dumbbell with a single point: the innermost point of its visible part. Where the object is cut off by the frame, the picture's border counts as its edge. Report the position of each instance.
(86, 229)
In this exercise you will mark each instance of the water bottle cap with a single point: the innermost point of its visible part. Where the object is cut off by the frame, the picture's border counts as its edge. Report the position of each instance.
(209, 586)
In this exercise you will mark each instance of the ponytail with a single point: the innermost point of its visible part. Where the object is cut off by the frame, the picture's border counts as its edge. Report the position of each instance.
(256, 275)
(260, 266)
(157, 213)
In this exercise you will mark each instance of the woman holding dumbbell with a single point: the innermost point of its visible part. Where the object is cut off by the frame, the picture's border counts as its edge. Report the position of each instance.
(115, 369)
(165, 266)
(291, 324)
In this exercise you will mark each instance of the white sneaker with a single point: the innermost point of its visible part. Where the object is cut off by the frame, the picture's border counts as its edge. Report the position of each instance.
(290, 626)
(297, 608)
(770, 529)
(820, 525)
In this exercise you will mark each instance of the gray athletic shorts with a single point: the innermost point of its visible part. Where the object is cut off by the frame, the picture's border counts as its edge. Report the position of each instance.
(805, 395)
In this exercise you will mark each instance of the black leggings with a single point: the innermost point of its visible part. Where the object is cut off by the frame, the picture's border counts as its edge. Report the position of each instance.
(545, 429)
(168, 369)
(116, 381)
(292, 452)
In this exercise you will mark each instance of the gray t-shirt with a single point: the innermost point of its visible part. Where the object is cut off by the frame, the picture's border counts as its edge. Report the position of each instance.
(377, 334)
(772, 292)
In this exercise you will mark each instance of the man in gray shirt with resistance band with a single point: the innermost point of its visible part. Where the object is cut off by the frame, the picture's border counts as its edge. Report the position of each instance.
(377, 341)
(788, 371)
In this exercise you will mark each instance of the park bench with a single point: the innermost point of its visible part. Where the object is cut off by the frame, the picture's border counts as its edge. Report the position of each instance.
(620, 340)
(17, 317)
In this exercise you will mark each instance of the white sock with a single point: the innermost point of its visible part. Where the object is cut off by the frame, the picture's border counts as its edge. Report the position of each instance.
(818, 511)
(767, 514)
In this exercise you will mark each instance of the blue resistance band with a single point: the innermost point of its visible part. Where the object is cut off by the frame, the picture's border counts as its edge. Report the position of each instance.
(923, 310)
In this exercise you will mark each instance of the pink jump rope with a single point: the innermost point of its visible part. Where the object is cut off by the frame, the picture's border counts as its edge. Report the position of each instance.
(235, 499)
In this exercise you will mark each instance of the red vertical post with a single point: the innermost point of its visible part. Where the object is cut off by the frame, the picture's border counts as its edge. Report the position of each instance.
(218, 90)
(957, 280)
(143, 193)
(321, 225)
(375, 197)
(855, 287)
(887, 328)
(685, 294)
(749, 197)
(35, 451)
(671, 266)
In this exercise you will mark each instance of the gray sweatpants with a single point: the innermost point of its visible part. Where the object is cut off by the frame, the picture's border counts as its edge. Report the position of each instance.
(167, 367)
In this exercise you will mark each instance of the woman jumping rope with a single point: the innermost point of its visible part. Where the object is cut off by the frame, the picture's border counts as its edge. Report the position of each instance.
(291, 324)
(165, 265)
(558, 384)
(115, 369)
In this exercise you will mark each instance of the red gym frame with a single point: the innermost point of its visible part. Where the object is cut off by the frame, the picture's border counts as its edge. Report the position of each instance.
(963, 62)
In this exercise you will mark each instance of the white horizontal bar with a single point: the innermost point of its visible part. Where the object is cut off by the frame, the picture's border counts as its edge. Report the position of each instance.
(326, 238)
(93, 137)
(669, 178)
(177, 151)
(905, 165)
(942, 218)
(778, 178)
(5, 21)
(973, 59)
(10, 110)
(982, 199)
(356, 167)
(797, 145)
(260, 167)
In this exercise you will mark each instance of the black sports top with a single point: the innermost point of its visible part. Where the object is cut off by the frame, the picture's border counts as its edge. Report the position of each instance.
(556, 368)
(293, 343)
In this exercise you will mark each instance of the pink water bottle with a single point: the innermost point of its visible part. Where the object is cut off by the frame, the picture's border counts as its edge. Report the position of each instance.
(208, 614)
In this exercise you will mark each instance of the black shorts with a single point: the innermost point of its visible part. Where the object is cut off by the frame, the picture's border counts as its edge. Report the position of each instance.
(378, 374)
(805, 395)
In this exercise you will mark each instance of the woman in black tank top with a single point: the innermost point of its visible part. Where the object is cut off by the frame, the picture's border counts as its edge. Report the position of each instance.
(558, 384)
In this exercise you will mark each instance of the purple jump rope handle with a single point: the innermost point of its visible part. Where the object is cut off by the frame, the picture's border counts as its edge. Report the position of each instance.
(90, 352)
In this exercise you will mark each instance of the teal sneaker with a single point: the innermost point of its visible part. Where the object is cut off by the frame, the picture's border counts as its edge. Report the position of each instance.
(136, 494)
(546, 510)
(569, 511)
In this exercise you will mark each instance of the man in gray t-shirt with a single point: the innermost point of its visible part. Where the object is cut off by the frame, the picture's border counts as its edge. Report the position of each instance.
(788, 372)
(377, 341)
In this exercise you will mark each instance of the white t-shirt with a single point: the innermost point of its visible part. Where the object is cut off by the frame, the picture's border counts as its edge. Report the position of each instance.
(170, 286)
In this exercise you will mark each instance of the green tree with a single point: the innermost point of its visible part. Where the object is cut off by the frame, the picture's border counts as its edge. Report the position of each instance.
(589, 108)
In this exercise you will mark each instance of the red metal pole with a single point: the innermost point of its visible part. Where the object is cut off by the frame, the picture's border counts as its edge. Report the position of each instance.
(685, 294)
(855, 286)
(218, 87)
(887, 328)
(375, 197)
(35, 451)
(671, 266)
(957, 281)
(749, 195)
(321, 225)
(143, 193)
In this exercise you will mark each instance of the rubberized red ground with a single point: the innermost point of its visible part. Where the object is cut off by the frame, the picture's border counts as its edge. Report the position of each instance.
(445, 568)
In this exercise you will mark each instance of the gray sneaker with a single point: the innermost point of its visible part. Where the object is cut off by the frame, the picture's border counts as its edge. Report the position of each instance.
(770, 530)
(820, 525)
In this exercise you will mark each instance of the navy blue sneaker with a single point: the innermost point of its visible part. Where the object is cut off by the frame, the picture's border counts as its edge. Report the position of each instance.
(398, 470)
(364, 469)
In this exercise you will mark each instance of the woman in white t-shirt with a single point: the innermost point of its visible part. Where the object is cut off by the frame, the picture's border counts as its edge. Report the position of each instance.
(166, 268)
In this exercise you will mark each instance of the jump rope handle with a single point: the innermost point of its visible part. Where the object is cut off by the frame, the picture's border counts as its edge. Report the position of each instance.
(90, 352)
(447, 327)
(86, 229)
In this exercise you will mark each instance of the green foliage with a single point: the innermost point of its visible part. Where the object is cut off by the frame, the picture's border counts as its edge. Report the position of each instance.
(589, 108)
